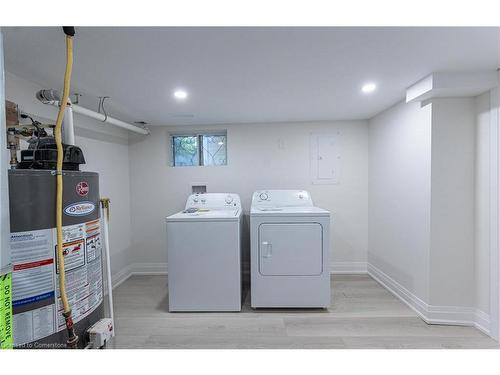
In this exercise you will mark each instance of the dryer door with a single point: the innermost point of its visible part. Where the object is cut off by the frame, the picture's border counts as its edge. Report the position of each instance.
(290, 249)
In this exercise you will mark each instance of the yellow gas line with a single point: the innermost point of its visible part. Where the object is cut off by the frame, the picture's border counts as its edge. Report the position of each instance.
(72, 339)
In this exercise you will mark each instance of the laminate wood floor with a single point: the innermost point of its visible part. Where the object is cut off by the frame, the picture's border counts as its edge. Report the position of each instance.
(363, 315)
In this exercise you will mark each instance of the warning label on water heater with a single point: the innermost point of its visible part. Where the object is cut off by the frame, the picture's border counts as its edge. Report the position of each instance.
(6, 341)
(35, 278)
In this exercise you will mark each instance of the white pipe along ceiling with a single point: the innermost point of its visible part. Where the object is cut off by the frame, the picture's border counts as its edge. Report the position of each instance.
(52, 97)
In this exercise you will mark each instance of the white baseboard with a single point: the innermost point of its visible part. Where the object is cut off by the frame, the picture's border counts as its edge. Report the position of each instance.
(122, 275)
(482, 322)
(339, 268)
(161, 269)
(448, 315)
(138, 269)
(399, 291)
(149, 269)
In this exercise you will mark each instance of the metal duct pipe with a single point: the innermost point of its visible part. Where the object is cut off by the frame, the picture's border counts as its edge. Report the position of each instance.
(52, 97)
(48, 96)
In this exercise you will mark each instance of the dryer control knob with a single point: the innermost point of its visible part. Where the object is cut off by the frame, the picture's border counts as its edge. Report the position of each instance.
(229, 199)
(263, 196)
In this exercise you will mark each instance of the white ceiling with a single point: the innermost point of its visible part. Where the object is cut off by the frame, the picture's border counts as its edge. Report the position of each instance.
(245, 75)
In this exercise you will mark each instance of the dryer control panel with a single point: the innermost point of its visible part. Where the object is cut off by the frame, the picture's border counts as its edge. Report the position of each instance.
(214, 201)
(282, 198)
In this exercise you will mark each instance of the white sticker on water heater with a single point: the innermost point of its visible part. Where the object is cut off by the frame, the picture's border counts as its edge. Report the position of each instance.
(37, 307)
(79, 209)
(33, 284)
(83, 265)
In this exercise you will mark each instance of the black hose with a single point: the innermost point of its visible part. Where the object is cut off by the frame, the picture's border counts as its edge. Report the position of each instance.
(69, 30)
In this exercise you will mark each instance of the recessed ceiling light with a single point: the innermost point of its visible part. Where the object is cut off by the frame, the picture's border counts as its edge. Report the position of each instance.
(180, 94)
(369, 87)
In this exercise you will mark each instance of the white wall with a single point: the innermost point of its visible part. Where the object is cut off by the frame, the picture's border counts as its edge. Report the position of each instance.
(429, 181)
(452, 202)
(482, 204)
(260, 156)
(486, 260)
(106, 151)
(399, 195)
(494, 212)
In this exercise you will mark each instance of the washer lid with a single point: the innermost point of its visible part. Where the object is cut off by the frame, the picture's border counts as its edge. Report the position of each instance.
(288, 211)
(206, 215)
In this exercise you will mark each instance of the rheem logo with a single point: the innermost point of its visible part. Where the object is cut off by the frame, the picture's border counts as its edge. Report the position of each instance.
(82, 188)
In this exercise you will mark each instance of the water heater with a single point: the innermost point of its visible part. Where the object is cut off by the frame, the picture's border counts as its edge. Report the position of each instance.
(36, 304)
(53, 211)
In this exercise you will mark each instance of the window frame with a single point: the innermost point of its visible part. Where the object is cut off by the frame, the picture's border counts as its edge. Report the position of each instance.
(199, 135)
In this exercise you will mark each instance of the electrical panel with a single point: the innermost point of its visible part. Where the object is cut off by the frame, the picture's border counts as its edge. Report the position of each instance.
(325, 158)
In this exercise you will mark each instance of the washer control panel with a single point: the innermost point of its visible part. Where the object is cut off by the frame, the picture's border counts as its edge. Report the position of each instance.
(281, 198)
(214, 201)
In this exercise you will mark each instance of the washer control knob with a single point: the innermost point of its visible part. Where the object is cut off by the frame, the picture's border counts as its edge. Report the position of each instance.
(229, 199)
(195, 200)
(301, 196)
(263, 196)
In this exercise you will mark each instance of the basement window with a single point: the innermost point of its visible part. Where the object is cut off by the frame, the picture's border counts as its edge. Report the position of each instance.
(205, 149)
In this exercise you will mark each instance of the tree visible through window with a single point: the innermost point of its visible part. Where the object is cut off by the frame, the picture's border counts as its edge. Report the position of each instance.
(199, 150)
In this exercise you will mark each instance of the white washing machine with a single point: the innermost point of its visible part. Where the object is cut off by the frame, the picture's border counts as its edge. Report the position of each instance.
(290, 248)
(204, 254)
